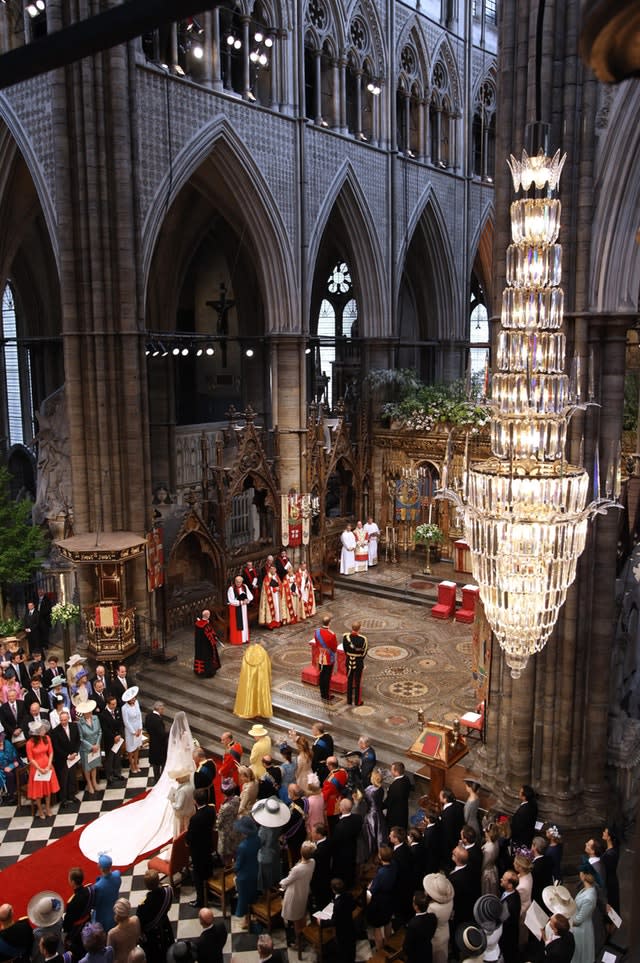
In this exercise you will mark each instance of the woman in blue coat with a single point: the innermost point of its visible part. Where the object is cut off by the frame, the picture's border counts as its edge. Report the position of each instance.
(246, 867)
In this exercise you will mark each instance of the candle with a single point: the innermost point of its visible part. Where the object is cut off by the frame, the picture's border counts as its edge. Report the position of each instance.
(430, 510)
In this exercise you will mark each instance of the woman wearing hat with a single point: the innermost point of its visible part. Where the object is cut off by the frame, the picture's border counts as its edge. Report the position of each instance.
(132, 722)
(74, 664)
(248, 790)
(9, 763)
(440, 893)
(271, 815)
(90, 735)
(42, 777)
(228, 839)
(246, 868)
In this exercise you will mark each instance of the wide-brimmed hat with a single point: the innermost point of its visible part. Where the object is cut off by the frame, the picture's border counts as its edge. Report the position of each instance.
(180, 952)
(245, 825)
(271, 812)
(438, 887)
(130, 693)
(56, 681)
(84, 708)
(45, 908)
(75, 659)
(37, 725)
(490, 912)
(470, 940)
(558, 899)
(258, 730)
(179, 773)
(80, 674)
(472, 781)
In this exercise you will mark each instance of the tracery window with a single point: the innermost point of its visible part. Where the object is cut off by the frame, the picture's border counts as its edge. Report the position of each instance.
(410, 105)
(478, 338)
(17, 370)
(483, 134)
(337, 323)
(442, 117)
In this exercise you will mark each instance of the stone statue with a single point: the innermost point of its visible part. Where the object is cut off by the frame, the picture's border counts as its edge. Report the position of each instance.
(53, 482)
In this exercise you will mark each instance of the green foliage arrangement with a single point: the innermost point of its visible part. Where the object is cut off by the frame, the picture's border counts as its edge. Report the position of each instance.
(10, 626)
(427, 407)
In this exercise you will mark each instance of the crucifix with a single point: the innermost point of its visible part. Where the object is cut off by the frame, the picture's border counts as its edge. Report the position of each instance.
(223, 305)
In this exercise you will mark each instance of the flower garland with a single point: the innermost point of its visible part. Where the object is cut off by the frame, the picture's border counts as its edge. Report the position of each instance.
(64, 612)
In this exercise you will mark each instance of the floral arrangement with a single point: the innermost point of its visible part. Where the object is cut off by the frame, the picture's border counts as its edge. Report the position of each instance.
(64, 612)
(10, 626)
(425, 407)
(427, 532)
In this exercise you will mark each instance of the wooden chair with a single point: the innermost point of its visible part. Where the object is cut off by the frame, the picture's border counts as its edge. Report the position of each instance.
(268, 908)
(221, 886)
(318, 936)
(324, 585)
(176, 864)
(474, 722)
(22, 782)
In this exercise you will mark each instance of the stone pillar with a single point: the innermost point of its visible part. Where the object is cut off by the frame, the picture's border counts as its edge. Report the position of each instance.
(289, 392)
(212, 26)
(101, 300)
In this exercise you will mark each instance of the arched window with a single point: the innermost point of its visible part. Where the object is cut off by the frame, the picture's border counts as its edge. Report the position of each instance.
(321, 78)
(17, 371)
(478, 339)
(409, 125)
(337, 323)
(483, 133)
(442, 117)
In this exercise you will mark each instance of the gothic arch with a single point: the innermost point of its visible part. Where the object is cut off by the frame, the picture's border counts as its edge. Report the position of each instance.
(369, 14)
(412, 34)
(22, 141)
(481, 259)
(346, 199)
(428, 234)
(335, 24)
(193, 530)
(444, 52)
(216, 156)
(615, 253)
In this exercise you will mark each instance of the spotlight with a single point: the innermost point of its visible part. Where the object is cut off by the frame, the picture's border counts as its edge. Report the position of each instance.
(175, 351)
(373, 88)
(230, 40)
(211, 351)
(307, 350)
(156, 351)
(249, 352)
(258, 37)
(178, 70)
(198, 51)
(40, 5)
(184, 352)
(262, 59)
(32, 10)
(237, 44)
(199, 352)
(251, 95)
(253, 56)
(268, 42)
(164, 351)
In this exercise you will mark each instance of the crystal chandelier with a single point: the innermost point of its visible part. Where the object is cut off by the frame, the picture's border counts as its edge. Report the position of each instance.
(525, 509)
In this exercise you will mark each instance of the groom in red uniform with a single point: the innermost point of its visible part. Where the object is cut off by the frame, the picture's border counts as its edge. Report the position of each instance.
(328, 642)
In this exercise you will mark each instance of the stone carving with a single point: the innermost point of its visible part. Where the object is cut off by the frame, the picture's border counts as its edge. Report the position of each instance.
(53, 481)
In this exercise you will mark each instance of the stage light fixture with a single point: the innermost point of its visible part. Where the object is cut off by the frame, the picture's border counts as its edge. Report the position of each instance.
(175, 351)
(211, 351)
(249, 352)
(184, 352)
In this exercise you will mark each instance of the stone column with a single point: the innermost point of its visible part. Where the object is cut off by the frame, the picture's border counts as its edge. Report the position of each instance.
(289, 392)
(101, 300)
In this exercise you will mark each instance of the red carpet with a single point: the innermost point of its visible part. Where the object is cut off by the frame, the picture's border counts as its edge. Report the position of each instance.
(49, 867)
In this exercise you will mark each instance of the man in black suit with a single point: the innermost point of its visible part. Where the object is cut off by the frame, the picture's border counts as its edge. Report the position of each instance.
(34, 713)
(342, 920)
(396, 804)
(432, 843)
(321, 879)
(420, 931)
(210, 944)
(561, 947)
(474, 853)
(541, 869)
(344, 842)
(511, 925)
(11, 711)
(31, 625)
(120, 683)
(402, 897)
(158, 739)
(22, 669)
(464, 890)
(200, 841)
(99, 696)
(35, 693)
(112, 734)
(523, 821)
(53, 669)
(418, 858)
(44, 606)
(266, 952)
(451, 823)
(66, 746)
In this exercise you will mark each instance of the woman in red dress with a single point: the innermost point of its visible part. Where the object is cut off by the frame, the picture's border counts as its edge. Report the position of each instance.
(42, 776)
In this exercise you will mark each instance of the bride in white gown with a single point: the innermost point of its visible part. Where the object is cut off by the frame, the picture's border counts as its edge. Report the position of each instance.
(141, 827)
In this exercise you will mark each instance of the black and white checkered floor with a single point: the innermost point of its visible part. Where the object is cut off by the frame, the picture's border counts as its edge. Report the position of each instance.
(21, 835)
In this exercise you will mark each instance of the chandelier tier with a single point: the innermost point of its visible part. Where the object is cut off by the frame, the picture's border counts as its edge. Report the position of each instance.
(525, 510)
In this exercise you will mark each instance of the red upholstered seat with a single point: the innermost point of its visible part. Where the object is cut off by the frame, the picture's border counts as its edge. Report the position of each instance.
(467, 611)
(446, 601)
(311, 673)
(474, 722)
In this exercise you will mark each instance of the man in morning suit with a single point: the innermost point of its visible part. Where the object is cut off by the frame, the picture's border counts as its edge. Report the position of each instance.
(396, 804)
(420, 931)
(44, 607)
(119, 685)
(510, 926)
(158, 739)
(464, 890)
(66, 746)
(112, 734)
(321, 749)
(523, 821)
(451, 823)
(200, 840)
(431, 842)
(402, 896)
(31, 624)
(344, 843)
(342, 920)
(321, 880)
(210, 944)
(541, 869)
(562, 946)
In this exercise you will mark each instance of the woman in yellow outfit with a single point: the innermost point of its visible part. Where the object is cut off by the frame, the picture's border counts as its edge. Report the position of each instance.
(253, 697)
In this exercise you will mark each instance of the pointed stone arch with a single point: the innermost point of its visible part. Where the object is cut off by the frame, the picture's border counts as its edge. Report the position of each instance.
(346, 202)
(218, 162)
(412, 34)
(193, 536)
(377, 48)
(482, 253)
(427, 243)
(446, 54)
